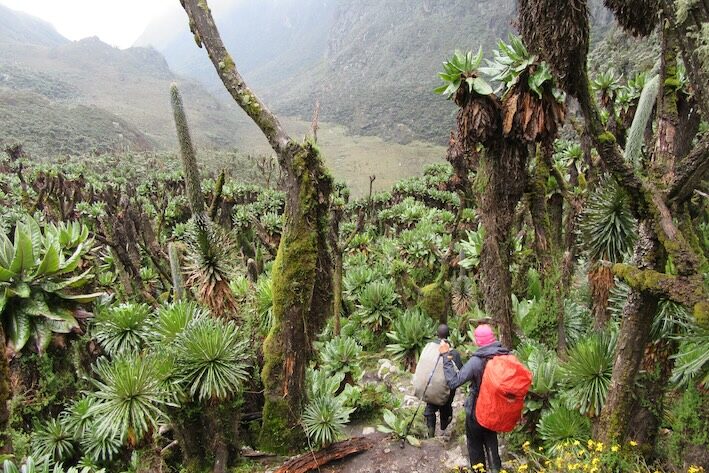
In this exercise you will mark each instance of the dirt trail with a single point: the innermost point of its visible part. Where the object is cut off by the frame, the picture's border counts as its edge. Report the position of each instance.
(436, 455)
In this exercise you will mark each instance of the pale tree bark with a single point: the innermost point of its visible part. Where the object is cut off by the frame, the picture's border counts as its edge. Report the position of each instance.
(302, 272)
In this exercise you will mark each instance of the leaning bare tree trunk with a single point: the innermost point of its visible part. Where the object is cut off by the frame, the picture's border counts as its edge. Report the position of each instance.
(504, 170)
(302, 272)
(5, 441)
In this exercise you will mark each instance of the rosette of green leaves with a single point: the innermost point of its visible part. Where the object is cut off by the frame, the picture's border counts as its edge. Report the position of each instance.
(510, 61)
(459, 69)
(39, 282)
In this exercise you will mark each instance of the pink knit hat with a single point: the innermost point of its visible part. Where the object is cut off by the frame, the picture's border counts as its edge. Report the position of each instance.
(484, 335)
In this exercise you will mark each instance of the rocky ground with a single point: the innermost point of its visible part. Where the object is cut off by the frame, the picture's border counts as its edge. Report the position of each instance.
(443, 453)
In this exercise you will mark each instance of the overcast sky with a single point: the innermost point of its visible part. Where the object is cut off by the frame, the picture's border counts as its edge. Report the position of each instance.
(116, 22)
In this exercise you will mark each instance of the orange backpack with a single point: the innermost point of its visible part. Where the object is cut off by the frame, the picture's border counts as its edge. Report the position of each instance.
(500, 401)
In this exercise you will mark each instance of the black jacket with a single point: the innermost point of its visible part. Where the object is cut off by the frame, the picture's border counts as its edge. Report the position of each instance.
(472, 371)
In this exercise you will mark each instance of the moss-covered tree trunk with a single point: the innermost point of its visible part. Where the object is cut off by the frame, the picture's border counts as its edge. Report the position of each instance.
(638, 315)
(647, 410)
(302, 299)
(5, 442)
(503, 174)
(302, 272)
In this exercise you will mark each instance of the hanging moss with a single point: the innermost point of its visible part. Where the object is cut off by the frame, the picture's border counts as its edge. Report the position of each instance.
(701, 314)
(435, 301)
(607, 138)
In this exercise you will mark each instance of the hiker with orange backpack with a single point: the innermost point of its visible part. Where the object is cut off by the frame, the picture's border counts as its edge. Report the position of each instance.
(499, 383)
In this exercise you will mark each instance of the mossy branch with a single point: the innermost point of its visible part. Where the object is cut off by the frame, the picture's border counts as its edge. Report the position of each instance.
(691, 173)
(688, 291)
(647, 202)
(202, 24)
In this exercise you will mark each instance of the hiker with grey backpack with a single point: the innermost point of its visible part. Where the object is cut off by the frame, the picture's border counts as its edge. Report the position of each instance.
(430, 383)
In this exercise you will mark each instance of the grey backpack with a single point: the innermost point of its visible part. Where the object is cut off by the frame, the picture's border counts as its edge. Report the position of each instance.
(438, 391)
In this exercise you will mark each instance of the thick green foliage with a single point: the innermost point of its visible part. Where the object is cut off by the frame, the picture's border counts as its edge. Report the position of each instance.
(211, 359)
(123, 329)
(689, 427)
(461, 68)
(587, 373)
(342, 355)
(561, 424)
(324, 419)
(129, 397)
(377, 305)
(51, 439)
(39, 279)
(409, 334)
(510, 60)
(607, 225)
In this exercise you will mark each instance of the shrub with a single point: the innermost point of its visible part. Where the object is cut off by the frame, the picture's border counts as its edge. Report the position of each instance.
(172, 319)
(123, 329)
(560, 425)
(409, 334)
(587, 373)
(324, 418)
(39, 280)
(129, 397)
(52, 440)
(341, 355)
(211, 359)
(377, 305)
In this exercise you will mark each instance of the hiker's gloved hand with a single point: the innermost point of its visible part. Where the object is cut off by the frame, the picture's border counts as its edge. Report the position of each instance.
(443, 348)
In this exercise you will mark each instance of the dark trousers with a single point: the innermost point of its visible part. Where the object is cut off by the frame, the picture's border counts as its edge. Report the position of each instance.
(446, 413)
(482, 445)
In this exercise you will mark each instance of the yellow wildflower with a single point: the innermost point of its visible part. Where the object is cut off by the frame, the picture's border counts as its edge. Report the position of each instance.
(576, 443)
(599, 447)
(522, 468)
(525, 445)
(615, 448)
(591, 443)
(478, 467)
(541, 449)
(633, 443)
(695, 469)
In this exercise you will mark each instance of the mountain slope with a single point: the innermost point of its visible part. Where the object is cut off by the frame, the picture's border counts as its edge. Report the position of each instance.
(39, 68)
(18, 27)
(371, 64)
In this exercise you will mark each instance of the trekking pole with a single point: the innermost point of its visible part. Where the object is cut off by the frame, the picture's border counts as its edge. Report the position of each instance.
(402, 444)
